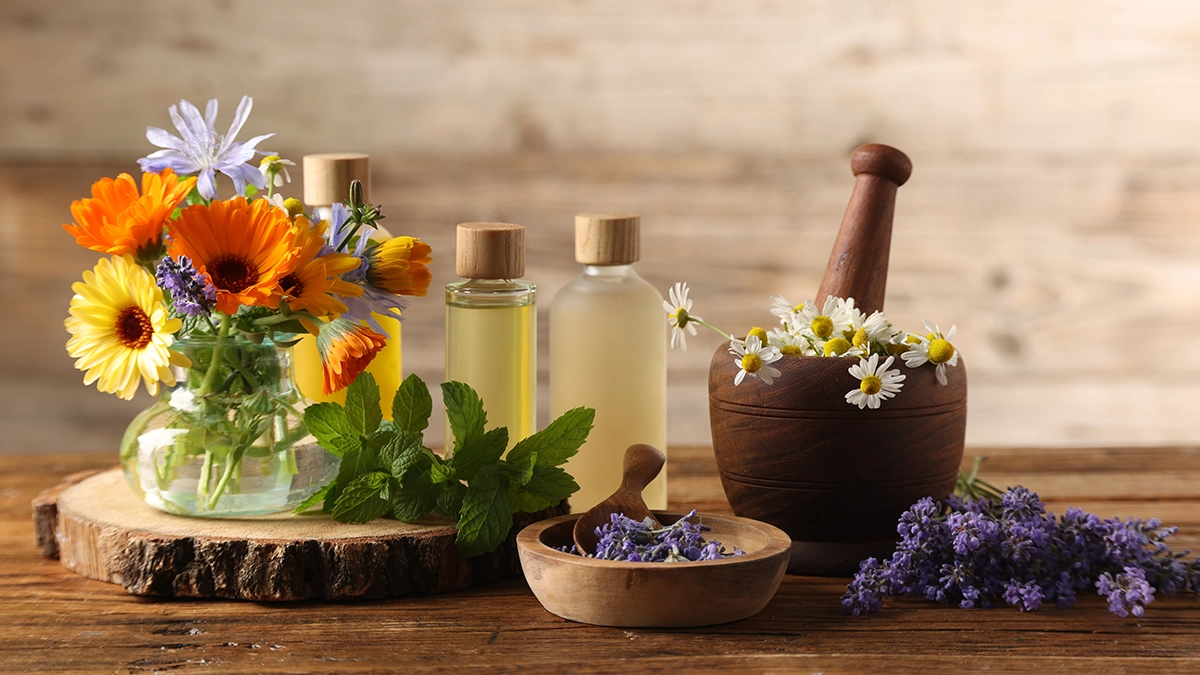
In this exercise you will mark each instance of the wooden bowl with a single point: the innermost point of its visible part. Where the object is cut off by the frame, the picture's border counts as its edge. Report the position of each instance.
(656, 595)
(834, 477)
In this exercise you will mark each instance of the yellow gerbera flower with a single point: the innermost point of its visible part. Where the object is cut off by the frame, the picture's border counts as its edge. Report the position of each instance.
(119, 221)
(346, 349)
(120, 330)
(312, 284)
(399, 266)
(244, 248)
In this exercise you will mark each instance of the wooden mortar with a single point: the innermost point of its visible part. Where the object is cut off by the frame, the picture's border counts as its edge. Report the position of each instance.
(795, 454)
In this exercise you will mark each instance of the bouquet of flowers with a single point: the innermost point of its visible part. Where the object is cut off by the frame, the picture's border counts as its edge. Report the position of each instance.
(197, 293)
(835, 329)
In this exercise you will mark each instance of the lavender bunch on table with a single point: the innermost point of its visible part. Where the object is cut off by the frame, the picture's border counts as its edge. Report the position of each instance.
(630, 540)
(984, 547)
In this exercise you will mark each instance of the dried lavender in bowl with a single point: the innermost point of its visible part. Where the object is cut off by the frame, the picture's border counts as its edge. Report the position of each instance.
(630, 540)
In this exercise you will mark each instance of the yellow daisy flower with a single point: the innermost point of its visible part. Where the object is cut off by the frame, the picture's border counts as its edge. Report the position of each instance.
(120, 330)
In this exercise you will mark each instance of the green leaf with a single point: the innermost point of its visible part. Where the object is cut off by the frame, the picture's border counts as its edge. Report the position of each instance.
(412, 406)
(326, 421)
(548, 486)
(402, 452)
(558, 442)
(486, 515)
(521, 470)
(464, 410)
(357, 461)
(477, 453)
(362, 405)
(441, 473)
(449, 502)
(382, 436)
(342, 445)
(416, 497)
(364, 499)
(316, 498)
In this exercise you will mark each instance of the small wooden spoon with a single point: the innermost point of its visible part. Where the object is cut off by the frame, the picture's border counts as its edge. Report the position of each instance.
(642, 464)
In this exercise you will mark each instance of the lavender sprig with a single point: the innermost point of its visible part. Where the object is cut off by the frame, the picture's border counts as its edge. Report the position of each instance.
(630, 540)
(987, 546)
(191, 292)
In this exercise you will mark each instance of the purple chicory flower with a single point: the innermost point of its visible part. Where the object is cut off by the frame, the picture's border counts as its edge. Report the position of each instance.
(199, 149)
(373, 300)
(191, 292)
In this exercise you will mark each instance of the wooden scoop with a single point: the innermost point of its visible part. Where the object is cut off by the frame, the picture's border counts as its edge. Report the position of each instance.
(642, 464)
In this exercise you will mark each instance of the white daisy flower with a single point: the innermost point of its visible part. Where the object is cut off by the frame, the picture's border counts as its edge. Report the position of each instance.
(783, 309)
(790, 344)
(678, 315)
(830, 319)
(752, 359)
(935, 348)
(868, 330)
(876, 382)
(274, 170)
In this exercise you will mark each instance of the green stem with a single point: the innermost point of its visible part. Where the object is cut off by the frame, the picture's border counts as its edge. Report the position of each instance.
(218, 355)
(234, 460)
(205, 470)
(706, 324)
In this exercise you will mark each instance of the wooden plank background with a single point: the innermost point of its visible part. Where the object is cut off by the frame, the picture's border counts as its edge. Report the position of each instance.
(1051, 214)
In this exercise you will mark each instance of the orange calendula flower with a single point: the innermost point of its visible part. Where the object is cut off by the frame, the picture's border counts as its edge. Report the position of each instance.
(314, 282)
(346, 349)
(118, 220)
(245, 248)
(399, 266)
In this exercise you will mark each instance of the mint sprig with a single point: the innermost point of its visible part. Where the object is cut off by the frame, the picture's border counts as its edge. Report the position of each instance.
(387, 470)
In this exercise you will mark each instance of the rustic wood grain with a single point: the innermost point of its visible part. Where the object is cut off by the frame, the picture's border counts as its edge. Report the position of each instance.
(101, 531)
(59, 622)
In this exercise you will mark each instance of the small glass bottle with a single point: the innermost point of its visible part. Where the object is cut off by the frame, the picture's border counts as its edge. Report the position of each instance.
(327, 179)
(608, 351)
(491, 327)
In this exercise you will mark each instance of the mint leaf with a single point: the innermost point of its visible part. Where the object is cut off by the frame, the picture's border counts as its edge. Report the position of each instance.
(357, 461)
(449, 502)
(364, 499)
(362, 405)
(316, 498)
(548, 486)
(412, 406)
(416, 497)
(558, 442)
(486, 515)
(342, 445)
(402, 452)
(464, 411)
(521, 470)
(441, 473)
(477, 453)
(326, 421)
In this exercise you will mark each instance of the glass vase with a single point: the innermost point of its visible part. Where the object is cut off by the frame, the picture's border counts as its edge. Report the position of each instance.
(229, 438)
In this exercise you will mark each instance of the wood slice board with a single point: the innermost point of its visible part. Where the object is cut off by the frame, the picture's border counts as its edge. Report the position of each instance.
(103, 531)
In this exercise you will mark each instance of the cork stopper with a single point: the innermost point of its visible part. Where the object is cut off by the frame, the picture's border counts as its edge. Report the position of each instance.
(607, 238)
(490, 251)
(327, 176)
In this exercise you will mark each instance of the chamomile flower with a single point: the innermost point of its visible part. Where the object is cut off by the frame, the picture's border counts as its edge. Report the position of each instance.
(752, 359)
(825, 321)
(783, 309)
(274, 170)
(790, 344)
(935, 348)
(869, 329)
(875, 382)
(678, 315)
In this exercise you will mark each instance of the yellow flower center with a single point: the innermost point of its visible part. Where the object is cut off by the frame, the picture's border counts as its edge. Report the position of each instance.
(822, 326)
(798, 308)
(758, 332)
(268, 160)
(931, 336)
(860, 337)
(294, 206)
(896, 350)
(871, 385)
(913, 339)
(837, 346)
(790, 350)
(751, 363)
(940, 351)
(133, 328)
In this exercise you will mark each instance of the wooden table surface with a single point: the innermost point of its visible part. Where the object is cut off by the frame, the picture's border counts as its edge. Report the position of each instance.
(54, 621)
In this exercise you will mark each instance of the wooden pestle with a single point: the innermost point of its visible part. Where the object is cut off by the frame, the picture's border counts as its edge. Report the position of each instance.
(858, 263)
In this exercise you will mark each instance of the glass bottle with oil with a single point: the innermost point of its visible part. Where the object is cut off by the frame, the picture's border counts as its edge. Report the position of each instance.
(491, 326)
(327, 179)
(608, 351)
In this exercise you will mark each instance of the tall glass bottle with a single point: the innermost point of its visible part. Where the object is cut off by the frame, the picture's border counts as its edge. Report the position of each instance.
(491, 326)
(608, 351)
(327, 179)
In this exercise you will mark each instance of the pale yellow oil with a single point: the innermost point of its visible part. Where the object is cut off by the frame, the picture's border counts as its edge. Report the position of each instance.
(386, 367)
(608, 351)
(493, 348)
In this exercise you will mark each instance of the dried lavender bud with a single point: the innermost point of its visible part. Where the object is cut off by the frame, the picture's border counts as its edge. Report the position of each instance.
(629, 540)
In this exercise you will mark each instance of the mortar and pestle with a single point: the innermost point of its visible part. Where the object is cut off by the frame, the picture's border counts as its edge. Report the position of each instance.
(794, 454)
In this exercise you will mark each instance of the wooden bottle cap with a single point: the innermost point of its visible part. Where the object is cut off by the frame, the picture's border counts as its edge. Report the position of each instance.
(607, 238)
(490, 251)
(327, 177)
